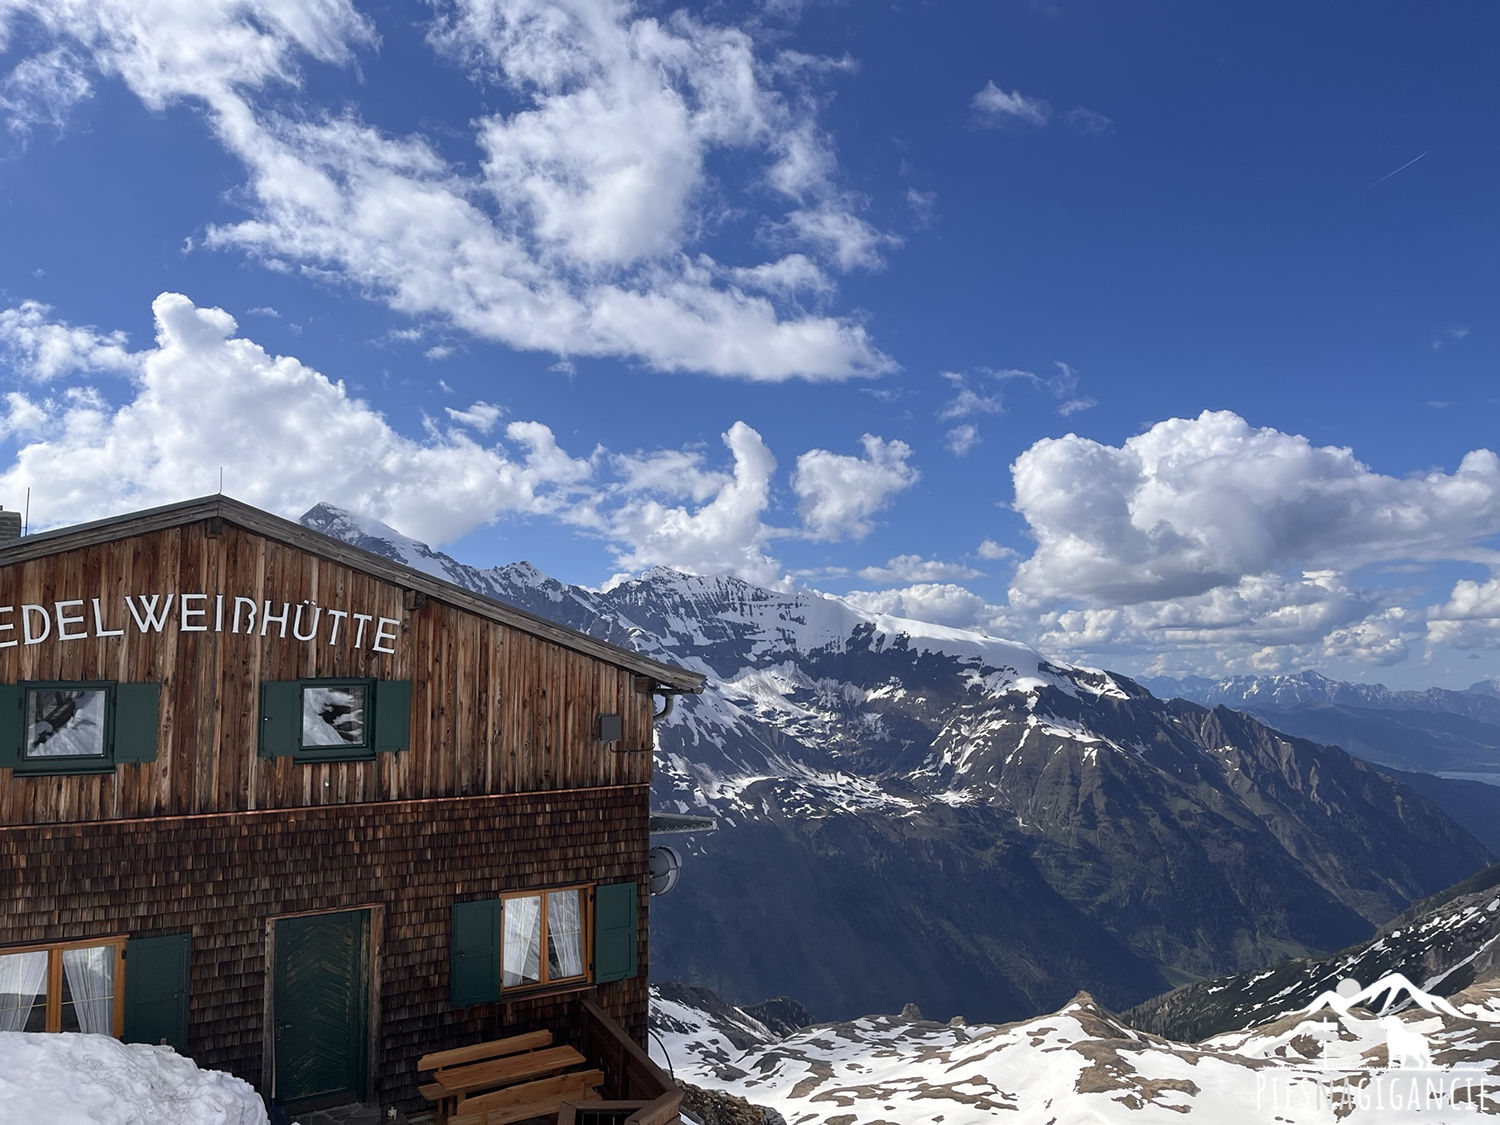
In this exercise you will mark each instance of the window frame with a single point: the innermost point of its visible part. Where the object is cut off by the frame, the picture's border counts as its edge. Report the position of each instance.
(54, 951)
(44, 765)
(585, 921)
(347, 751)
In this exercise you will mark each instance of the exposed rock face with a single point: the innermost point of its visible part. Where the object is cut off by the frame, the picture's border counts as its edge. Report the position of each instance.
(915, 813)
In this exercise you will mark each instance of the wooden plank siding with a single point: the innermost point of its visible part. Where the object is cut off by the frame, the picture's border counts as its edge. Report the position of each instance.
(495, 709)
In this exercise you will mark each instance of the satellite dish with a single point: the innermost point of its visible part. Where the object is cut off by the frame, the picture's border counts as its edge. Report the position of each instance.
(666, 869)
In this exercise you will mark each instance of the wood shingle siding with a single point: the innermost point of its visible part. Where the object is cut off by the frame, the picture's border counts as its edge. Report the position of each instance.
(220, 877)
(495, 709)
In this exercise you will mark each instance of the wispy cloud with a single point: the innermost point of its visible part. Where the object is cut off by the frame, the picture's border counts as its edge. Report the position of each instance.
(995, 108)
(1090, 121)
(961, 439)
(966, 400)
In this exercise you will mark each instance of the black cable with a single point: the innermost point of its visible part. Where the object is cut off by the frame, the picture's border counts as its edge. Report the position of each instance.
(664, 1053)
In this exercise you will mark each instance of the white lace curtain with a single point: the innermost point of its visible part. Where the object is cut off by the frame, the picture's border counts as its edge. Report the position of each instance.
(91, 980)
(23, 976)
(522, 958)
(564, 934)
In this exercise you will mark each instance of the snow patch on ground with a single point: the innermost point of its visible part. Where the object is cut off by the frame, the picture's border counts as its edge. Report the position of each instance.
(78, 1079)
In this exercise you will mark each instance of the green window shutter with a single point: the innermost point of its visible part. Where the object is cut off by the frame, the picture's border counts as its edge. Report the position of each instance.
(156, 990)
(12, 724)
(280, 719)
(614, 932)
(137, 722)
(392, 716)
(474, 972)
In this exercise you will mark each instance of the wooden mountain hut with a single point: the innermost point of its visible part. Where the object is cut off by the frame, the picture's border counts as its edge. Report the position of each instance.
(309, 815)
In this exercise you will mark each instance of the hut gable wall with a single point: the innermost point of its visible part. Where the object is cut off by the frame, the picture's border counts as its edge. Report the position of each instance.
(494, 709)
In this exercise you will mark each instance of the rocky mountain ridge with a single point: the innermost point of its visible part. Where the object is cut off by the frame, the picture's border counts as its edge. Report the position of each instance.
(913, 812)
(1443, 944)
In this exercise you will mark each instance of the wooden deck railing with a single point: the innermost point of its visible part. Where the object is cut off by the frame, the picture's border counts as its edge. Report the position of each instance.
(640, 1092)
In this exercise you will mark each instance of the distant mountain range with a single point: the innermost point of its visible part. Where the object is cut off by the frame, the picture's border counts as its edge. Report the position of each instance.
(916, 813)
(1481, 701)
(1436, 741)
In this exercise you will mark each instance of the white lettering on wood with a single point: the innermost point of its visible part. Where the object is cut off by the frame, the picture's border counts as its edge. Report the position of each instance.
(312, 633)
(26, 614)
(182, 605)
(384, 634)
(266, 617)
(99, 629)
(147, 615)
(66, 619)
(250, 623)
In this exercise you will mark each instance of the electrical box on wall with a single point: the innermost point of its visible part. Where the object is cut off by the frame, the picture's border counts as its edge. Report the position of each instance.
(611, 728)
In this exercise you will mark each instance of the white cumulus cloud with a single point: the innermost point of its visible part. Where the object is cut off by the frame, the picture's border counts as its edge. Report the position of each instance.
(577, 235)
(725, 533)
(34, 345)
(285, 436)
(840, 494)
(914, 568)
(1195, 505)
(943, 603)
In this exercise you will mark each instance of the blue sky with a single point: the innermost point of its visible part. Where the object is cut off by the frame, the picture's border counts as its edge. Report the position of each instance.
(1104, 327)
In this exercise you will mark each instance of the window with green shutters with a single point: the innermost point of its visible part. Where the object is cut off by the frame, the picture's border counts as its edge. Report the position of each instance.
(531, 941)
(329, 720)
(59, 727)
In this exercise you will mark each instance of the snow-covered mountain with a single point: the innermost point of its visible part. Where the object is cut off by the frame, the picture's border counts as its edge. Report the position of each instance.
(915, 813)
(1389, 1053)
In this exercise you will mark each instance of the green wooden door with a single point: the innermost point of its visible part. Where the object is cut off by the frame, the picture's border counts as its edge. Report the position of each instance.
(321, 1007)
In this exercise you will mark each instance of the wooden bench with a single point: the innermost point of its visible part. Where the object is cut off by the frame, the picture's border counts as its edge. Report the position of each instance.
(491, 1083)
